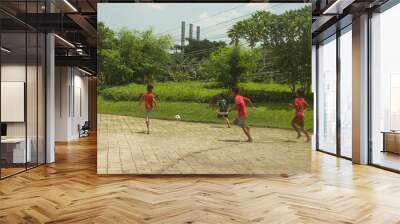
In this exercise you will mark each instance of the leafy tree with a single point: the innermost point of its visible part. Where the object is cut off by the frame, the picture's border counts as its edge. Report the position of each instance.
(107, 53)
(131, 56)
(235, 67)
(245, 29)
(145, 54)
(187, 66)
(231, 65)
(286, 43)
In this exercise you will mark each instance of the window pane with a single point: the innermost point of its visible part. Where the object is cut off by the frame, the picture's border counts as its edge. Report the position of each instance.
(385, 90)
(327, 95)
(346, 93)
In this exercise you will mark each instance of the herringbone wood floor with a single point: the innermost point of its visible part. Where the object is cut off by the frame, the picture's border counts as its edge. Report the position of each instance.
(70, 191)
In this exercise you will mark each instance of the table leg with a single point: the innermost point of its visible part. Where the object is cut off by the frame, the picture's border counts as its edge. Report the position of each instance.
(384, 142)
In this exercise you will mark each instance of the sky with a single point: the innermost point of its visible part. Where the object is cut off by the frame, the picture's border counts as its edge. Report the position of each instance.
(214, 19)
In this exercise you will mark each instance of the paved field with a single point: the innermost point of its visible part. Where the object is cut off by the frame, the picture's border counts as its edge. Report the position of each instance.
(195, 148)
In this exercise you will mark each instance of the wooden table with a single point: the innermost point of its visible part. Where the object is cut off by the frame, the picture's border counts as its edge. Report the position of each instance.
(13, 150)
(391, 141)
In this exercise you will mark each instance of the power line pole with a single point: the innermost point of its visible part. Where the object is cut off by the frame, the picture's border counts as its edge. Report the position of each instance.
(198, 33)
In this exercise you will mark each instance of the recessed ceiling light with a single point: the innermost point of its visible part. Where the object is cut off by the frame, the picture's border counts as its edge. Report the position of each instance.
(70, 5)
(5, 50)
(65, 41)
(86, 72)
(337, 7)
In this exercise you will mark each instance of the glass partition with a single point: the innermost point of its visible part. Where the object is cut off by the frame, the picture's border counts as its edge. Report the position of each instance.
(385, 89)
(22, 78)
(32, 97)
(13, 94)
(327, 95)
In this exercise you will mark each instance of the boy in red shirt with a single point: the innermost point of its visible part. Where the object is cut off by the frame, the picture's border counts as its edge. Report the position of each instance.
(240, 102)
(149, 102)
(298, 121)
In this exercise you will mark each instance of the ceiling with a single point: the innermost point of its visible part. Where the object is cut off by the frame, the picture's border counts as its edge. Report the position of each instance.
(331, 15)
(74, 22)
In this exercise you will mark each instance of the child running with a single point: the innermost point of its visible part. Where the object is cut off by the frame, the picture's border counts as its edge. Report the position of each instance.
(240, 102)
(298, 121)
(149, 102)
(222, 109)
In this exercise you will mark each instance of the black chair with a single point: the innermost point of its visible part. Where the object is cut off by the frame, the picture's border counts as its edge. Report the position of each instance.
(84, 130)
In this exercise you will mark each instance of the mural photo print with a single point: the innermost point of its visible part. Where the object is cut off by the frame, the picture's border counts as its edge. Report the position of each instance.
(204, 88)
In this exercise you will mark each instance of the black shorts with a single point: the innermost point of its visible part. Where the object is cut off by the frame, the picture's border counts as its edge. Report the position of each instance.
(222, 114)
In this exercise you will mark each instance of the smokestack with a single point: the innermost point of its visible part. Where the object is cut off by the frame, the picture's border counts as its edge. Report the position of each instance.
(183, 36)
(198, 33)
(190, 31)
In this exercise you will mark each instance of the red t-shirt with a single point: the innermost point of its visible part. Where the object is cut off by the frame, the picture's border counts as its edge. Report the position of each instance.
(299, 104)
(148, 100)
(240, 102)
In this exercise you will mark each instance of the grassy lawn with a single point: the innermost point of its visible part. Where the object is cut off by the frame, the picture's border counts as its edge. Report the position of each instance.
(199, 92)
(276, 115)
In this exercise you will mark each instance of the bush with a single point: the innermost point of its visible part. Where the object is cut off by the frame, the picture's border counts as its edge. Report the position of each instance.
(199, 92)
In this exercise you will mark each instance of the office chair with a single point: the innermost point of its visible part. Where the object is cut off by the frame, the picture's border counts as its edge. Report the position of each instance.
(84, 130)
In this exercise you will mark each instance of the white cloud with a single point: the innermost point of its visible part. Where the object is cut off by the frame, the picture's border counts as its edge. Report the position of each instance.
(207, 20)
(203, 15)
(156, 6)
(258, 5)
(215, 26)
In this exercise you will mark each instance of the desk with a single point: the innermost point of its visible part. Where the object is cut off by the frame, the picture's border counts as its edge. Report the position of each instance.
(13, 150)
(391, 141)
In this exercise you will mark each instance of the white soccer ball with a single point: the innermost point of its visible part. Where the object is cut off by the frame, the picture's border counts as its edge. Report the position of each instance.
(177, 117)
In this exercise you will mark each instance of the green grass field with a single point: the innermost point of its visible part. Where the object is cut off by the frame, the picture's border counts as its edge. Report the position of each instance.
(199, 92)
(275, 115)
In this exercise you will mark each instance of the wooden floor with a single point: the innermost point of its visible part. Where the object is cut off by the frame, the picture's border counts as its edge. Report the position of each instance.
(8, 171)
(70, 191)
(196, 148)
(387, 159)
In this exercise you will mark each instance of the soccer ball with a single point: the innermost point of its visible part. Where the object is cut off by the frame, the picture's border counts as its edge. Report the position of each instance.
(177, 117)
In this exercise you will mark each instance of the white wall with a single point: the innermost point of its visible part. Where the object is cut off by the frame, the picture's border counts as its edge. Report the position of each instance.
(33, 126)
(62, 82)
(17, 73)
(71, 87)
(81, 114)
(12, 73)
